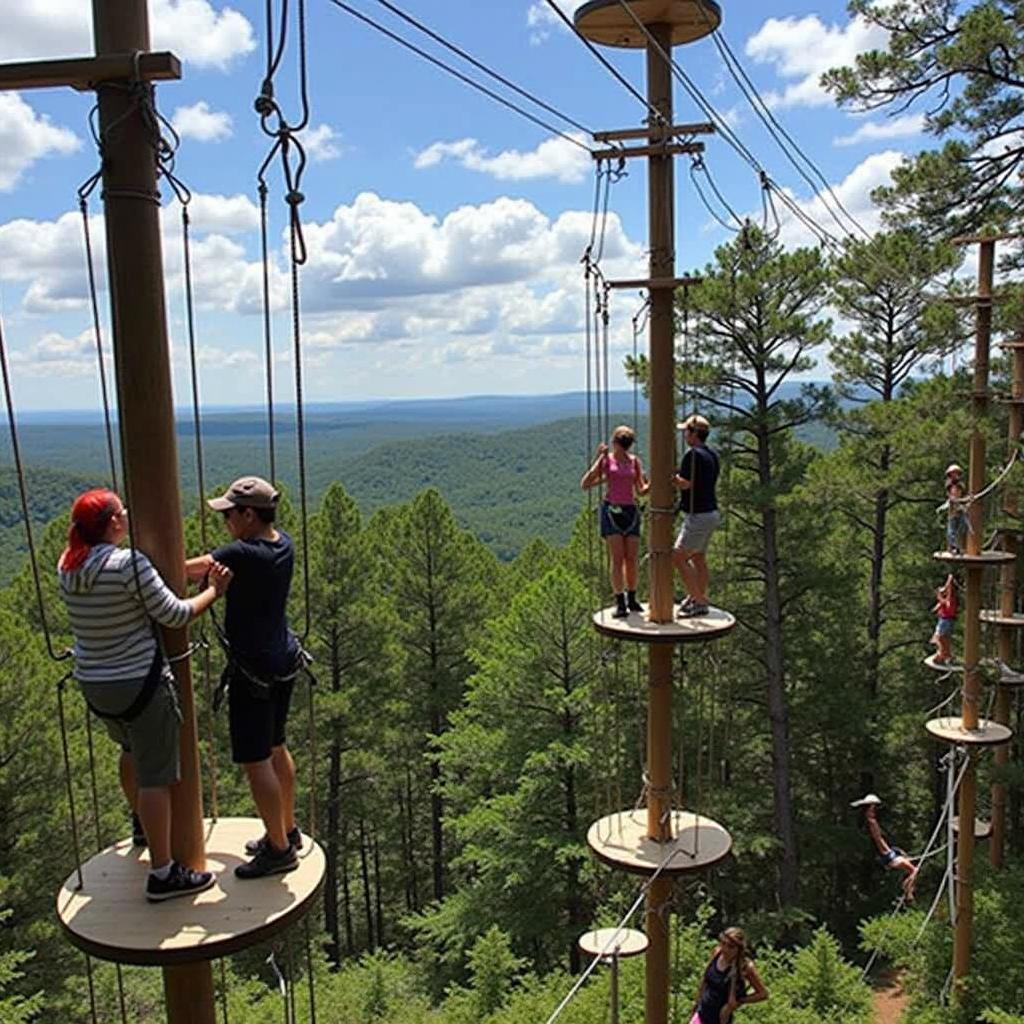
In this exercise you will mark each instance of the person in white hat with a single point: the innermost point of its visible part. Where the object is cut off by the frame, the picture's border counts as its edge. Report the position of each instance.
(263, 661)
(892, 858)
(956, 521)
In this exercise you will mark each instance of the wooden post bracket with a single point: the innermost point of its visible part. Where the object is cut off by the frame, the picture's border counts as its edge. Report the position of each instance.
(85, 73)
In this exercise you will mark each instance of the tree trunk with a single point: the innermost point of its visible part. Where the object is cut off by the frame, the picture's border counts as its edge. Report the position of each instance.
(410, 810)
(378, 901)
(346, 891)
(367, 901)
(333, 847)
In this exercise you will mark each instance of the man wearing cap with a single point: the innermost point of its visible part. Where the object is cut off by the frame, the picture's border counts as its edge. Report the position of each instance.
(263, 655)
(956, 516)
(696, 479)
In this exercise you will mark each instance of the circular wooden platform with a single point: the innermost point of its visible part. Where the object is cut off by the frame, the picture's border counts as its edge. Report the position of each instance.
(951, 730)
(982, 829)
(109, 917)
(620, 840)
(680, 631)
(605, 21)
(984, 559)
(996, 618)
(943, 666)
(608, 943)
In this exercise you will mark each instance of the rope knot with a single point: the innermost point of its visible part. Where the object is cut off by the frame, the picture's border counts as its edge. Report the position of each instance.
(294, 198)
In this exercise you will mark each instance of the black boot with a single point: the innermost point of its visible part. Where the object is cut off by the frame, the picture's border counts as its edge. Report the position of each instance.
(621, 612)
(632, 603)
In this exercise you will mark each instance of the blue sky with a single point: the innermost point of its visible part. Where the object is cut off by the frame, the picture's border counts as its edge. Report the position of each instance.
(445, 232)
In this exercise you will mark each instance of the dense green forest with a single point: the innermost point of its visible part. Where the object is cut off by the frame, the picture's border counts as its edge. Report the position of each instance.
(471, 724)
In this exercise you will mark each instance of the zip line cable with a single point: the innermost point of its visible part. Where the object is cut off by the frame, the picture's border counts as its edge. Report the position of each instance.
(480, 66)
(657, 117)
(454, 72)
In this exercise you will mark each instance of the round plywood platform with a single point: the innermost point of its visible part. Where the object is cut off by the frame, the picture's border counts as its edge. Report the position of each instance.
(620, 840)
(109, 917)
(943, 666)
(951, 730)
(983, 559)
(680, 631)
(607, 22)
(996, 618)
(608, 943)
(982, 828)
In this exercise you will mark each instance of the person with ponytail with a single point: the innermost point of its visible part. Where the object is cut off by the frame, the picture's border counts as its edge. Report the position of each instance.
(730, 981)
(114, 596)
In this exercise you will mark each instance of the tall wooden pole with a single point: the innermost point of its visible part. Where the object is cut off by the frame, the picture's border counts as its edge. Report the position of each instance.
(661, 179)
(135, 267)
(1007, 607)
(972, 617)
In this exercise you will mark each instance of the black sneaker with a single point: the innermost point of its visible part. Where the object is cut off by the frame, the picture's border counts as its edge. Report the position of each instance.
(138, 832)
(633, 604)
(269, 862)
(255, 845)
(180, 881)
(694, 610)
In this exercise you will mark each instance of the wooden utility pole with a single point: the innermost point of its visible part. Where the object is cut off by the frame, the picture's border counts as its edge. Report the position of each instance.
(149, 449)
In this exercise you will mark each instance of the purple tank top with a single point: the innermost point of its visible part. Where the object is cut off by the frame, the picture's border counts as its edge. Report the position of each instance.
(620, 481)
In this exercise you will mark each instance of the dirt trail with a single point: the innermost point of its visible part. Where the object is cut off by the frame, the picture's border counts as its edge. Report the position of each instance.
(890, 1000)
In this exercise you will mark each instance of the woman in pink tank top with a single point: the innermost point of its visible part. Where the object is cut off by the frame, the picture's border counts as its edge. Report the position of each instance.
(620, 517)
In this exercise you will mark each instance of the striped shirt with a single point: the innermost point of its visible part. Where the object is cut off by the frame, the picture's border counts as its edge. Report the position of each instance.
(111, 622)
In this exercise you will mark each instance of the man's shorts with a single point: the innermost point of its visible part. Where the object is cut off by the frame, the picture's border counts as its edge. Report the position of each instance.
(893, 854)
(257, 723)
(619, 520)
(697, 529)
(152, 736)
(944, 627)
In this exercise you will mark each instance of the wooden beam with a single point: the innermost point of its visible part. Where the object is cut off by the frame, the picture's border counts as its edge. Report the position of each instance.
(656, 132)
(980, 239)
(658, 149)
(86, 72)
(655, 283)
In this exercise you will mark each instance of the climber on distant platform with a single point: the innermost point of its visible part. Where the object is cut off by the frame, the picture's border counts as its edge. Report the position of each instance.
(946, 609)
(697, 477)
(620, 515)
(892, 857)
(113, 600)
(264, 658)
(956, 510)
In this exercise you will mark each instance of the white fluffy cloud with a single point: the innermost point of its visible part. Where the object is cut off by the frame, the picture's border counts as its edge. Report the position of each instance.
(894, 128)
(540, 17)
(854, 192)
(802, 49)
(194, 29)
(202, 124)
(25, 137)
(322, 143)
(553, 158)
(54, 355)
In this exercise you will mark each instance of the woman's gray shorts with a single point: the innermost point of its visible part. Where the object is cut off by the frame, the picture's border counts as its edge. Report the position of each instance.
(151, 737)
(697, 530)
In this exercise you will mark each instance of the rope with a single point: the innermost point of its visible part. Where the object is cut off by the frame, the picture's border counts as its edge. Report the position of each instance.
(612, 939)
(223, 992)
(73, 817)
(23, 496)
(268, 346)
(310, 979)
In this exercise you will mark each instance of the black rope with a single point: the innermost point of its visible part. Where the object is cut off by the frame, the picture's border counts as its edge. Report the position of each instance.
(23, 496)
(67, 779)
(698, 165)
(465, 79)
(268, 346)
(92, 988)
(310, 977)
(83, 205)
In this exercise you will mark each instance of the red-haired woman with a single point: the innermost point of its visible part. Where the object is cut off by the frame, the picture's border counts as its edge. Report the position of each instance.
(112, 601)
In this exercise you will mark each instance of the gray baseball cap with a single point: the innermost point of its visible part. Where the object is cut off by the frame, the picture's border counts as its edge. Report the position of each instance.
(250, 491)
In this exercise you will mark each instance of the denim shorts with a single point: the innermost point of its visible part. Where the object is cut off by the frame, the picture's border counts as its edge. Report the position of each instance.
(619, 520)
(944, 627)
(892, 855)
(697, 529)
(151, 738)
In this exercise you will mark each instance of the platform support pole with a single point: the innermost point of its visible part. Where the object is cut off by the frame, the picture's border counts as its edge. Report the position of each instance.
(1007, 607)
(135, 269)
(972, 621)
(661, 384)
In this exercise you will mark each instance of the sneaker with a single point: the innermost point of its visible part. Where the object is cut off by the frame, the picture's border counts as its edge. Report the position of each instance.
(866, 801)
(255, 845)
(694, 610)
(180, 881)
(268, 862)
(683, 605)
(634, 605)
(138, 832)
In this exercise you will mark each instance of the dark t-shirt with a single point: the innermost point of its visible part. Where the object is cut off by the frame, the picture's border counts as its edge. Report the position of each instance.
(254, 619)
(716, 992)
(700, 466)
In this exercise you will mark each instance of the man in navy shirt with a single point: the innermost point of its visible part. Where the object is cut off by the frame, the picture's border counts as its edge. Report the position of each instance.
(696, 479)
(263, 659)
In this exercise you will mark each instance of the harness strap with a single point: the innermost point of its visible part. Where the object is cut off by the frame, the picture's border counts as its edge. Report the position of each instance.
(145, 695)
